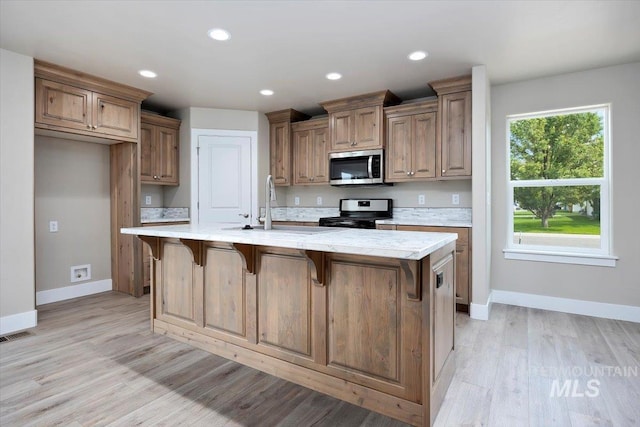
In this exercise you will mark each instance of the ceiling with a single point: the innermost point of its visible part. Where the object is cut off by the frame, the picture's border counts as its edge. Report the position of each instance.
(289, 46)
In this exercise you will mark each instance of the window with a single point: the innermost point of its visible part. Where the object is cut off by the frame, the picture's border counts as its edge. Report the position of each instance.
(558, 191)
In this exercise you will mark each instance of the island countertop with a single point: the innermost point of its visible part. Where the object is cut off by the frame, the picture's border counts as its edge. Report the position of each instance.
(383, 243)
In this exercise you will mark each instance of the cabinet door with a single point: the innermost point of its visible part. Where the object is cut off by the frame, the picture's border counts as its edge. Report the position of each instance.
(280, 153)
(443, 312)
(319, 155)
(115, 117)
(147, 161)
(62, 105)
(367, 127)
(373, 327)
(424, 145)
(456, 134)
(302, 157)
(342, 130)
(399, 145)
(166, 155)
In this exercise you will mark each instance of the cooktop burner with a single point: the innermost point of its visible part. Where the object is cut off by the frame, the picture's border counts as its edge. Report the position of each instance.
(360, 213)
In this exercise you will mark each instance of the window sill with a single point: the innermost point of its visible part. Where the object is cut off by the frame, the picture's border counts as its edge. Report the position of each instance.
(561, 257)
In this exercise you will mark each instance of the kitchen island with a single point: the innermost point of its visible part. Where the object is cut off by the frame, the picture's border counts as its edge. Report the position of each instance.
(366, 316)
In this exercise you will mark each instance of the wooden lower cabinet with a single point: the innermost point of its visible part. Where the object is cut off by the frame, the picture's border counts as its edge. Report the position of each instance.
(463, 258)
(376, 332)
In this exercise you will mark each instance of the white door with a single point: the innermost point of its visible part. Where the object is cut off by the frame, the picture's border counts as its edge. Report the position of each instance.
(224, 177)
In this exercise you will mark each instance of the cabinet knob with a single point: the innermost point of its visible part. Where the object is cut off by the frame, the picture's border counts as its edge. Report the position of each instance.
(88, 126)
(443, 170)
(95, 127)
(155, 176)
(312, 178)
(412, 173)
(408, 173)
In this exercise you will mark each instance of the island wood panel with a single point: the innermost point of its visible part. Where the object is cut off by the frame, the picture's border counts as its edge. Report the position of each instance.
(225, 307)
(374, 336)
(180, 296)
(443, 295)
(284, 301)
(292, 290)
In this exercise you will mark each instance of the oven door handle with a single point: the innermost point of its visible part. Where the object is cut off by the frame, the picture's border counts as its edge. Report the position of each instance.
(370, 167)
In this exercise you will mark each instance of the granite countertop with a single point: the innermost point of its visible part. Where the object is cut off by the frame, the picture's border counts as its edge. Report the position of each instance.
(384, 243)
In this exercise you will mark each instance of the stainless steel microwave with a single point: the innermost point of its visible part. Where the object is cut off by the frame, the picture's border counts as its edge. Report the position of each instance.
(356, 167)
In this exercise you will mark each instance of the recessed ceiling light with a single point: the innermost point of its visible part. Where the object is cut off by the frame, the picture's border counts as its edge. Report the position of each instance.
(417, 55)
(266, 92)
(219, 34)
(148, 74)
(334, 76)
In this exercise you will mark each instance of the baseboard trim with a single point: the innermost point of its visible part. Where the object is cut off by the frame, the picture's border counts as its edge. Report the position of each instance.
(75, 291)
(566, 305)
(18, 322)
(481, 311)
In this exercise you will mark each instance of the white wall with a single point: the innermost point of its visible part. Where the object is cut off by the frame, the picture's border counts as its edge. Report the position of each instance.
(71, 187)
(619, 86)
(17, 280)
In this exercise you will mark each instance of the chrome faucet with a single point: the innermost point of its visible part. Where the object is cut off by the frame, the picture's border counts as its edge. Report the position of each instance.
(270, 196)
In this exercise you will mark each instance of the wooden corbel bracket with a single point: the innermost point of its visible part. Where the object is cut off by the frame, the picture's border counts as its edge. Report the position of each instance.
(154, 244)
(316, 263)
(197, 250)
(411, 271)
(247, 254)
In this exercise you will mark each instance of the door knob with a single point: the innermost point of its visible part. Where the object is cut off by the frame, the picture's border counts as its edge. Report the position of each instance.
(246, 215)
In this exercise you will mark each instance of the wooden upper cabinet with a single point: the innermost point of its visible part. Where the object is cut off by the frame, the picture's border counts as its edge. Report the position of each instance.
(310, 152)
(357, 122)
(115, 117)
(61, 105)
(73, 102)
(411, 142)
(280, 147)
(159, 149)
(454, 103)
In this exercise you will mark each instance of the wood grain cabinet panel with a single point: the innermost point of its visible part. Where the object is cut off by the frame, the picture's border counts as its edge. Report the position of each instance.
(73, 109)
(284, 293)
(159, 150)
(224, 291)
(454, 135)
(411, 142)
(443, 312)
(280, 144)
(178, 282)
(310, 152)
(356, 123)
(374, 335)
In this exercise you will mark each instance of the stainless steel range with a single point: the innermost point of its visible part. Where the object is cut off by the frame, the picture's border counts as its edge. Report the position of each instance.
(360, 213)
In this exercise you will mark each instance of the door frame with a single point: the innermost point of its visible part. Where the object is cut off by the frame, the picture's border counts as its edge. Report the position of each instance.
(195, 181)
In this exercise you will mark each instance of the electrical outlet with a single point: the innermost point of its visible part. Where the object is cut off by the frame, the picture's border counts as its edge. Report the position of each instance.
(455, 199)
(147, 200)
(296, 201)
(53, 226)
(319, 200)
(421, 199)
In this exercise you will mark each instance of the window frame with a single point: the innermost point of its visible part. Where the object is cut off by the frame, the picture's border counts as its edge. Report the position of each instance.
(564, 254)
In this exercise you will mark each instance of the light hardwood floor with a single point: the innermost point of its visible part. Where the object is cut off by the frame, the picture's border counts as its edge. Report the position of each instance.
(93, 361)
